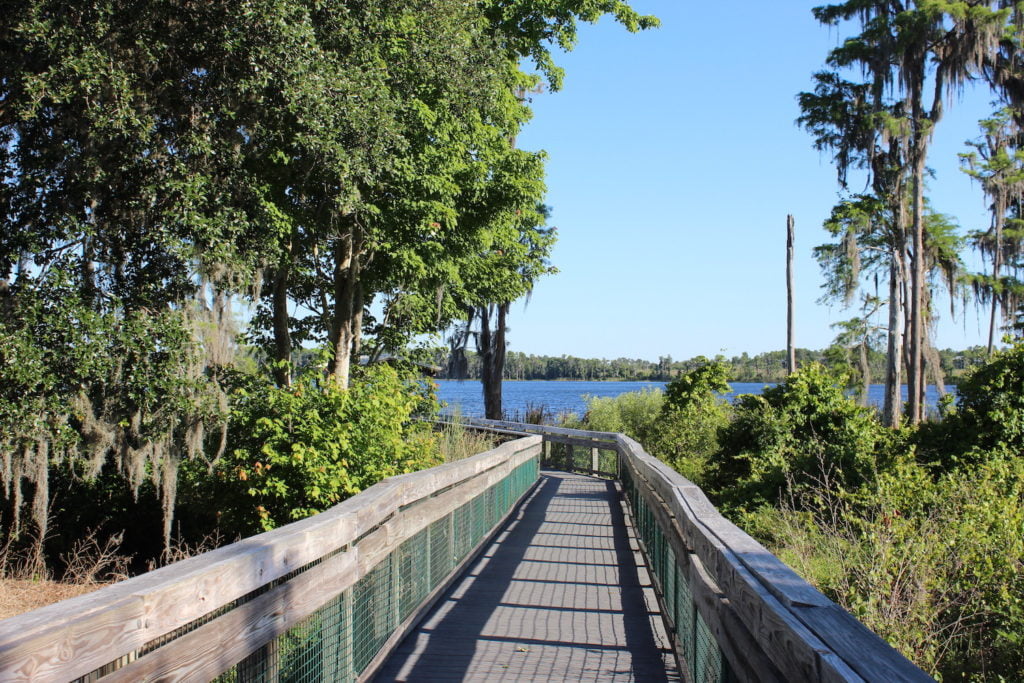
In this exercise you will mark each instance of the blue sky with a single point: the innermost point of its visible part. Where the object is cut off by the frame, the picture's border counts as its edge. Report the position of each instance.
(674, 159)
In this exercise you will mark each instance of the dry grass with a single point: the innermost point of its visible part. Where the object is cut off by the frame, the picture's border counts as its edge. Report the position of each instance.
(23, 595)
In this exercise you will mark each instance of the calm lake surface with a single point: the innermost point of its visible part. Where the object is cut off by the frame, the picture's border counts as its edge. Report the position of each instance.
(570, 397)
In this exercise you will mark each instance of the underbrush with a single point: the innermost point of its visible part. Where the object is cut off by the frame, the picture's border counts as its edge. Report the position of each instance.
(919, 533)
(456, 442)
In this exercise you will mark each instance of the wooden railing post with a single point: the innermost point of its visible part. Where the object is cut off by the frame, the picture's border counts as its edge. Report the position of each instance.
(595, 459)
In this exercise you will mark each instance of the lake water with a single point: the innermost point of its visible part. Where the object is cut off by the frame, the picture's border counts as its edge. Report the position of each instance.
(569, 397)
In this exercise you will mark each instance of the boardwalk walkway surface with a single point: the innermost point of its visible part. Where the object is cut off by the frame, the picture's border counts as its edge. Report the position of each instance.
(560, 594)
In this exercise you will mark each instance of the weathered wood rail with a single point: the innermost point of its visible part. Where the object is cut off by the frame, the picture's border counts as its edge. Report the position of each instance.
(329, 597)
(354, 578)
(713, 579)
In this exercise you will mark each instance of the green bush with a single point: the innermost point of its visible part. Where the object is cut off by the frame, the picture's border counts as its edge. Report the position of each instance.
(686, 434)
(989, 414)
(805, 431)
(635, 413)
(298, 450)
(679, 426)
(934, 566)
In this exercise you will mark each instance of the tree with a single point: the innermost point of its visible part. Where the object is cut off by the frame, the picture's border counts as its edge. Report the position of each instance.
(903, 47)
(997, 163)
(790, 345)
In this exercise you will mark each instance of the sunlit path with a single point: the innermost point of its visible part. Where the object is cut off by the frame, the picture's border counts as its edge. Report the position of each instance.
(560, 594)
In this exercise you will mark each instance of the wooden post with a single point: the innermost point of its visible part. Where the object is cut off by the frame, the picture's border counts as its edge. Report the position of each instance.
(595, 459)
(790, 345)
(547, 453)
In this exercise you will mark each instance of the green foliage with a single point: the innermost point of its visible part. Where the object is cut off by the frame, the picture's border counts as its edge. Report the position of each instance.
(686, 435)
(989, 413)
(299, 450)
(699, 386)
(633, 413)
(679, 426)
(932, 565)
(157, 166)
(804, 431)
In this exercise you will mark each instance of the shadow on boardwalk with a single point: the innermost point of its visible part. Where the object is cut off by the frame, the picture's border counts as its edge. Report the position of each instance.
(557, 596)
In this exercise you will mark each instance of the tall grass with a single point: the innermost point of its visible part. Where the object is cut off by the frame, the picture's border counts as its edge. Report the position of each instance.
(457, 442)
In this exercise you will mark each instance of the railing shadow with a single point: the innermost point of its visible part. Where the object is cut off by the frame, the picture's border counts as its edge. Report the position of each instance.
(443, 648)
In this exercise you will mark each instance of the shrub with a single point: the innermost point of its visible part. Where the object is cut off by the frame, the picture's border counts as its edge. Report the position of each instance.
(934, 566)
(686, 434)
(989, 413)
(804, 431)
(298, 450)
(635, 413)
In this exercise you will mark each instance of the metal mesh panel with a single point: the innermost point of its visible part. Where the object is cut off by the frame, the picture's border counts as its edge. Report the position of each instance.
(581, 459)
(685, 625)
(709, 667)
(413, 573)
(608, 462)
(442, 556)
(315, 649)
(462, 530)
(372, 619)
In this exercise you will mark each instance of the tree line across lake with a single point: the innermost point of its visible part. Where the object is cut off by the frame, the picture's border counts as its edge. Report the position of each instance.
(765, 367)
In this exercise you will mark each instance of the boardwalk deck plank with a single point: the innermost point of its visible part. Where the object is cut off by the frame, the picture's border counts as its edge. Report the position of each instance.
(559, 595)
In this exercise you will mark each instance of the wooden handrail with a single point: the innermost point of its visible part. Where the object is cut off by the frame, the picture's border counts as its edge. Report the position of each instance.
(72, 638)
(769, 622)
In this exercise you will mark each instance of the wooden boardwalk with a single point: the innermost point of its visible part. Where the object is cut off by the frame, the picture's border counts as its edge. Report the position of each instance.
(561, 594)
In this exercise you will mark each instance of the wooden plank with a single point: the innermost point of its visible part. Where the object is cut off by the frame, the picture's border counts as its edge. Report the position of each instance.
(535, 609)
(369, 551)
(793, 648)
(216, 646)
(410, 521)
(581, 442)
(745, 655)
(783, 583)
(858, 646)
(546, 430)
(668, 523)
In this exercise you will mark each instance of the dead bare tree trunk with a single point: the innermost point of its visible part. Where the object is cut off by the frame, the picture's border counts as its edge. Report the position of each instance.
(790, 344)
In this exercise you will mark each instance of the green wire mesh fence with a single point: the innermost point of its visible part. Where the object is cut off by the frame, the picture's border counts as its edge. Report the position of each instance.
(701, 657)
(338, 641)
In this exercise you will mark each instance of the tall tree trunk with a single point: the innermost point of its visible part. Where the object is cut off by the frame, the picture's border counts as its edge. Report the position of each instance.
(282, 332)
(347, 309)
(790, 345)
(491, 349)
(997, 263)
(916, 370)
(893, 406)
(865, 372)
